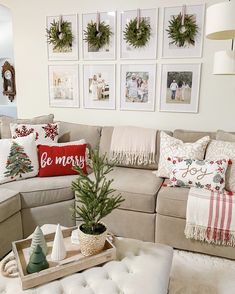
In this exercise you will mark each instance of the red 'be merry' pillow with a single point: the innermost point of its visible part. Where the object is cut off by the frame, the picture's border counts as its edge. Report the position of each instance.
(59, 160)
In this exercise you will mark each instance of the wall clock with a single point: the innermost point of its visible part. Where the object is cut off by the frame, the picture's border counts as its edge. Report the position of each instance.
(8, 75)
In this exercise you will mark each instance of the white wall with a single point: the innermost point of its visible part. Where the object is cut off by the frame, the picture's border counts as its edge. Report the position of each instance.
(6, 53)
(217, 95)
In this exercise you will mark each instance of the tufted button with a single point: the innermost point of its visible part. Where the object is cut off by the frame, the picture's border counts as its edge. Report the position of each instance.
(84, 284)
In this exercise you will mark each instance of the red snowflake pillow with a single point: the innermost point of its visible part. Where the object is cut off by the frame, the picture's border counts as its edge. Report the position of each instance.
(59, 160)
(44, 134)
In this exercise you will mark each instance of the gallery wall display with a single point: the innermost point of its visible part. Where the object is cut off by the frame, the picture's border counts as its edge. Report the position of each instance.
(139, 34)
(180, 87)
(63, 85)
(62, 37)
(99, 35)
(183, 31)
(138, 87)
(99, 86)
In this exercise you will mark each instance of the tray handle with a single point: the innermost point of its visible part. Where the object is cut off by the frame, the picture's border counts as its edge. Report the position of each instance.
(9, 267)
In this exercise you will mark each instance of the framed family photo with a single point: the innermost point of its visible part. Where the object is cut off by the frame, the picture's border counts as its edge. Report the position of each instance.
(99, 86)
(191, 17)
(69, 52)
(107, 51)
(149, 51)
(63, 85)
(138, 87)
(180, 87)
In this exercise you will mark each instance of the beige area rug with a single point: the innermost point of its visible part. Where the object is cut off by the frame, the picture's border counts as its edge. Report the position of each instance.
(194, 273)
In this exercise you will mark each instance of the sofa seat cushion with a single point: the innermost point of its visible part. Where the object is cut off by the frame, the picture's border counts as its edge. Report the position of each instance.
(43, 191)
(138, 187)
(172, 201)
(9, 203)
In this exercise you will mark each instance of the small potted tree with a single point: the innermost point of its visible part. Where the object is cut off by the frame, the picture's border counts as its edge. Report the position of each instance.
(94, 199)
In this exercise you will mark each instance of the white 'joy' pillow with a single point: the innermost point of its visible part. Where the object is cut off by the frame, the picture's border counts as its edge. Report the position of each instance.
(172, 147)
(18, 159)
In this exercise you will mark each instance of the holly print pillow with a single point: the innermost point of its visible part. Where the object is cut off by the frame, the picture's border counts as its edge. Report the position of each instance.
(204, 174)
(18, 159)
(44, 133)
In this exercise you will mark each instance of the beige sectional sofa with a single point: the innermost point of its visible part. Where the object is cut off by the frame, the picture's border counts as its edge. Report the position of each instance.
(150, 212)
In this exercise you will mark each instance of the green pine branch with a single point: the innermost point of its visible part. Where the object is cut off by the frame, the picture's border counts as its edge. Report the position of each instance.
(94, 199)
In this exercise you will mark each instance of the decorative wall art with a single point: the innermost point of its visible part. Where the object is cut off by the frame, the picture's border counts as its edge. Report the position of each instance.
(99, 86)
(183, 31)
(180, 87)
(62, 37)
(139, 34)
(63, 85)
(99, 35)
(138, 87)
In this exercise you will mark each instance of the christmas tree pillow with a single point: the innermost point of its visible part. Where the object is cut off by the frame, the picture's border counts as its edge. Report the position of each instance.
(44, 133)
(18, 159)
(60, 160)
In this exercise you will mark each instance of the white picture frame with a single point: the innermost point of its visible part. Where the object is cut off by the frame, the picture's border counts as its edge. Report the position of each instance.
(73, 54)
(63, 85)
(150, 50)
(191, 51)
(109, 51)
(99, 86)
(183, 97)
(138, 95)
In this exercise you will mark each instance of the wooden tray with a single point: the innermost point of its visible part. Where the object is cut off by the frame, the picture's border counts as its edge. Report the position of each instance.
(74, 261)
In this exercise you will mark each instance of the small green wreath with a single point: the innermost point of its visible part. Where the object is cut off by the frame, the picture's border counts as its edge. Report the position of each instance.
(59, 35)
(182, 34)
(137, 36)
(97, 38)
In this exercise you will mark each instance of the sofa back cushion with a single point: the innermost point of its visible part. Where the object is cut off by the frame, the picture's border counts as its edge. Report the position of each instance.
(105, 143)
(225, 136)
(192, 136)
(5, 121)
(73, 132)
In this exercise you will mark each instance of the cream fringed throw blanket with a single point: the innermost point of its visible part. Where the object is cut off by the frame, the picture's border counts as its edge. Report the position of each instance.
(211, 217)
(133, 145)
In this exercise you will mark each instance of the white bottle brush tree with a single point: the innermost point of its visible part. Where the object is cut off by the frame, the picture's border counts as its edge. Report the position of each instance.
(94, 198)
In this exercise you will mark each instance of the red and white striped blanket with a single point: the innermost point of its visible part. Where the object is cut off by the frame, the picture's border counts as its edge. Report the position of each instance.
(210, 217)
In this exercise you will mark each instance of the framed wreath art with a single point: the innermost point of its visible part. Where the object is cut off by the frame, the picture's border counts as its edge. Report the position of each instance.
(137, 32)
(61, 33)
(182, 29)
(97, 34)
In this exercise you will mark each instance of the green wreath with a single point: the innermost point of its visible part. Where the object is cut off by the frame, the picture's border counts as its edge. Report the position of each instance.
(182, 34)
(137, 36)
(60, 35)
(100, 38)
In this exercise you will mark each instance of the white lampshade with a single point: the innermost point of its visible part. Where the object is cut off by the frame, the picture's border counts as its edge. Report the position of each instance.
(220, 21)
(224, 63)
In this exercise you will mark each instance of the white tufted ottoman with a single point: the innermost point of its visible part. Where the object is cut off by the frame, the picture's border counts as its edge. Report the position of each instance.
(141, 268)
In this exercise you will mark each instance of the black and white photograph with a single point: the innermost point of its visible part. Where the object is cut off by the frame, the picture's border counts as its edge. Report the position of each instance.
(138, 87)
(99, 86)
(183, 28)
(180, 87)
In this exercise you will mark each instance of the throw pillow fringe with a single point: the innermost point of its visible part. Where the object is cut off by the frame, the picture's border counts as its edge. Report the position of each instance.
(131, 158)
(215, 236)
